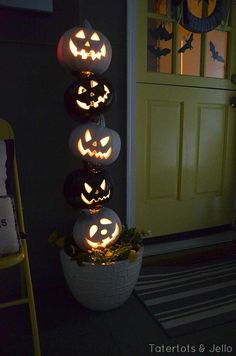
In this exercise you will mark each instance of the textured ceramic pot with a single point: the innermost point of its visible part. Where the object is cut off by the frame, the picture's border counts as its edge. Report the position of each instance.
(101, 287)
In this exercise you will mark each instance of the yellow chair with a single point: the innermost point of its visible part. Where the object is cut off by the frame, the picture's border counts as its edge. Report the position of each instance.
(21, 258)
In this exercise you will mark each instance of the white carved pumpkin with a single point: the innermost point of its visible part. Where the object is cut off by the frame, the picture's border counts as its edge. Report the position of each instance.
(84, 49)
(95, 144)
(96, 230)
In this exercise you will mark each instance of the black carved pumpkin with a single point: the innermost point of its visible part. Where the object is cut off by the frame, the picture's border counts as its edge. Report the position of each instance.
(84, 188)
(95, 144)
(88, 96)
(84, 49)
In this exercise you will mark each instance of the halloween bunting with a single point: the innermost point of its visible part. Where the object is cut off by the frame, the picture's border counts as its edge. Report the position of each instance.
(87, 53)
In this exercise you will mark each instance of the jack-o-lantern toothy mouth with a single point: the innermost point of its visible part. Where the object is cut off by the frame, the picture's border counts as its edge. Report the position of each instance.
(93, 103)
(93, 153)
(106, 241)
(87, 54)
(93, 200)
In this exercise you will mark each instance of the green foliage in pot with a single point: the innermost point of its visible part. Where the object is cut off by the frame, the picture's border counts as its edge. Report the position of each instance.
(129, 243)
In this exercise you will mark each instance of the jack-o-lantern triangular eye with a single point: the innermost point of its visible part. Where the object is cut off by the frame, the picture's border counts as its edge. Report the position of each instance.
(93, 83)
(81, 90)
(106, 89)
(88, 136)
(87, 187)
(103, 184)
(104, 141)
(80, 34)
(95, 37)
(105, 221)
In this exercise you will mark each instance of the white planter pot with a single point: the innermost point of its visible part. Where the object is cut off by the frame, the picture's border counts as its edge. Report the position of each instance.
(101, 287)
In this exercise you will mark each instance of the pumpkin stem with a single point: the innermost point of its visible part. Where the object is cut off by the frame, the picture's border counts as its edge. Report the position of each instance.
(101, 120)
(95, 210)
(91, 167)
(87, 24)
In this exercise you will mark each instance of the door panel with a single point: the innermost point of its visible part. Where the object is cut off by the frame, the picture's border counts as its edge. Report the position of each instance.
(163, 144)
(184, 159)
(211, 132)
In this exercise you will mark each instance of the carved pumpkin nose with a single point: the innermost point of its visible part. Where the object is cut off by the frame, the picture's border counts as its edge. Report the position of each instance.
(92, 94)
(94, 144)
(87, 44)
(96, 192)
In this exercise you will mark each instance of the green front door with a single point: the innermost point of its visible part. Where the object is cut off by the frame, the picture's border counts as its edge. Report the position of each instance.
(185, 127)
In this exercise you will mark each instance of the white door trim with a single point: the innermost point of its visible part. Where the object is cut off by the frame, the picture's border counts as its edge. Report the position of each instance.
(131, 72)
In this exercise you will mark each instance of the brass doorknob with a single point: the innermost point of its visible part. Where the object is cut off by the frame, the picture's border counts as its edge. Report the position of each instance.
(232, 101)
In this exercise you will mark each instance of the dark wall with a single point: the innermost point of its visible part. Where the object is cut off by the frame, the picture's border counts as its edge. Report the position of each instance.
(31, 98)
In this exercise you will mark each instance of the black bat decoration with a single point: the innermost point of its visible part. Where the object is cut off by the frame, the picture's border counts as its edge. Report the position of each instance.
(187, 45)
(158, 52)
(214, 54)
(161, 33)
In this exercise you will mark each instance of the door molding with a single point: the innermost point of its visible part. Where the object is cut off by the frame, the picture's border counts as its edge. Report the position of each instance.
(131, 105)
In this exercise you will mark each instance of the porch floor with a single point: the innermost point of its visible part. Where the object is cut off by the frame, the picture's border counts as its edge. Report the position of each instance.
(194, 255)
(68, 329)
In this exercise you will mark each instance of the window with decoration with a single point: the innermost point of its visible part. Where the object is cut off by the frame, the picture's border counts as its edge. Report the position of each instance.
(188, 37)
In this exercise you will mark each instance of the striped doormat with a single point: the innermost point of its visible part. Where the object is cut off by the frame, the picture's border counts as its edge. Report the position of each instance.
(185, 300)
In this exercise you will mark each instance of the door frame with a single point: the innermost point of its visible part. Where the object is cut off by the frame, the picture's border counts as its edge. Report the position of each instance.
(131, 23)
(131, 111)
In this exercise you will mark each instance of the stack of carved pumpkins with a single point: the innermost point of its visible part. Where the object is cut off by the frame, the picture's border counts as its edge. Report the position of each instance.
(87, 54)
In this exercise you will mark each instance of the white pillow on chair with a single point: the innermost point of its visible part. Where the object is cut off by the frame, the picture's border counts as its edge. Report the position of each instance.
(6, 165)
(9, 234)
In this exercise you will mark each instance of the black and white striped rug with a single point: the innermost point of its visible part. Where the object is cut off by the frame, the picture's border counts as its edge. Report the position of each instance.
(188, 299)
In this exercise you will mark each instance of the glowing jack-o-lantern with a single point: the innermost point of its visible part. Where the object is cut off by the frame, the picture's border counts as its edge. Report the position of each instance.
(98, 230)
(95, 144)
(88, 96)
(84, 188)
(84, 49)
